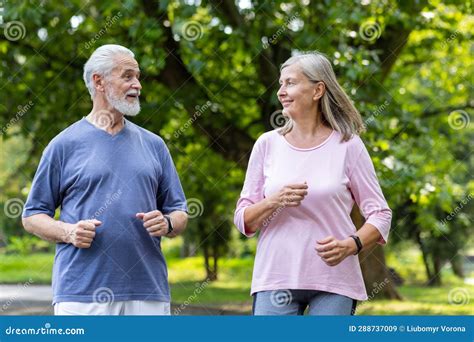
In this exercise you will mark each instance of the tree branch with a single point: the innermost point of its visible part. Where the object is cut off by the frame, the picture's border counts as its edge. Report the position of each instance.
(226, 139)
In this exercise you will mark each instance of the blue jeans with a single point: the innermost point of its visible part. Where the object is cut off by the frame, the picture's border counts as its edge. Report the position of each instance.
(295, 302)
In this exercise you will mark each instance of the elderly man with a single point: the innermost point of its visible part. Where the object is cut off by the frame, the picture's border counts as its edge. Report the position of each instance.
(119, 193)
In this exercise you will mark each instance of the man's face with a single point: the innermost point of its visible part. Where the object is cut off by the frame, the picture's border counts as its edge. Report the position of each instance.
(122, 86)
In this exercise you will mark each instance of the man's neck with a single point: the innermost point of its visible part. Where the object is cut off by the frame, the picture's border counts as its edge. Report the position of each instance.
(110, 121)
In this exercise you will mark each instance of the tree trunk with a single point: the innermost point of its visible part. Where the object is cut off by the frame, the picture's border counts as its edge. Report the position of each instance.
(435, 280)
(425, 255)
(215, 258)
(188, 249)
(378, 280)
(210, 271)
(457, 266)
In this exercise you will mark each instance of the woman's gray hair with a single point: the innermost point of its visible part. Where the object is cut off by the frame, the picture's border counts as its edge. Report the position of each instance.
(336, 108)
(102, 62)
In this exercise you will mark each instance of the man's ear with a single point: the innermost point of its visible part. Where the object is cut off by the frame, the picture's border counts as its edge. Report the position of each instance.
(98, 81)
(319, 90)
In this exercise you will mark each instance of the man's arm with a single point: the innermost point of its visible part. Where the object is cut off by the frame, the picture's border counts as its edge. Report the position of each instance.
(46, 228)
(80, 234)
(179, 219)
(157, 225)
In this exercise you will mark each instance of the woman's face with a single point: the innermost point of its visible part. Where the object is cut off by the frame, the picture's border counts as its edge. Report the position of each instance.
(297, 94)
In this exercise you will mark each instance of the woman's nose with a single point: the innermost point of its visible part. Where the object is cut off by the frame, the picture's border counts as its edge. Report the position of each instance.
(281, 91)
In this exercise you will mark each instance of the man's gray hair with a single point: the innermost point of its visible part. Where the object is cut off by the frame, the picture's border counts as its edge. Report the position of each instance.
(102, 62)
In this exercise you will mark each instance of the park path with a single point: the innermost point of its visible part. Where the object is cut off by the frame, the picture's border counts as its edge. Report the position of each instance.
(36, 300)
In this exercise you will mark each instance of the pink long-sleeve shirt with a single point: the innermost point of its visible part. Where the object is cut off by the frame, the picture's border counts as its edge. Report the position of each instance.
(338, 174)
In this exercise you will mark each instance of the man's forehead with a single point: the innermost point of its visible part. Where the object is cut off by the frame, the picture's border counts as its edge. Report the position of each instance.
(126, 62)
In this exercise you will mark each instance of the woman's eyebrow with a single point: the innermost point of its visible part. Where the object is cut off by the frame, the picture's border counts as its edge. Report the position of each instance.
(287, 79)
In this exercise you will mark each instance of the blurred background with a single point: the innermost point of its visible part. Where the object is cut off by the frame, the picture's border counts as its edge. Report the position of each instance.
(210, 74)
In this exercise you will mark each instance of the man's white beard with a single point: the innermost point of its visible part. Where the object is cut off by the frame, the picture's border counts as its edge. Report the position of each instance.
(122, 105)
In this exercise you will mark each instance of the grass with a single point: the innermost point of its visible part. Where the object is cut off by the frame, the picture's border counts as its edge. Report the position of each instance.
(18, 269)
(232, 289)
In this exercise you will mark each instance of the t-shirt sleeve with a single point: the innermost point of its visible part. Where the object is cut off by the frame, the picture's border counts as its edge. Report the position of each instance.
(170, 195)
(252, 191)
(367, 193)
(45, 194)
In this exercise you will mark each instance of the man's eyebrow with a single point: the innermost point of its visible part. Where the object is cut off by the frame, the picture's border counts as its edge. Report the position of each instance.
(131, 70)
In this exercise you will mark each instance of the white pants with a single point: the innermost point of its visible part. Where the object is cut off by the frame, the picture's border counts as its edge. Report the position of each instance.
(130, 307)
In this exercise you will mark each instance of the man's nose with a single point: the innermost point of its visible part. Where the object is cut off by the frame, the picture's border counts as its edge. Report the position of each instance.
(137, 85)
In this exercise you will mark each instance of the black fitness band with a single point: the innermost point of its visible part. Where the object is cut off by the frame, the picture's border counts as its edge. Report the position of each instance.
(358, 243)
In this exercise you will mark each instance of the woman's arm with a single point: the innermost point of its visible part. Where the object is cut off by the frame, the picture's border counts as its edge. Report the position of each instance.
(332, 251)
(366, 191)
(260, 214)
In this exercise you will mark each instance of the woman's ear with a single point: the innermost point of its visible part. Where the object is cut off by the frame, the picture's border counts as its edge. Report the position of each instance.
(319, 90)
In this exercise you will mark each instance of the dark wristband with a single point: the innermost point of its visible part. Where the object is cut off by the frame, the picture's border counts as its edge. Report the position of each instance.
(170, 225)
(358, 243)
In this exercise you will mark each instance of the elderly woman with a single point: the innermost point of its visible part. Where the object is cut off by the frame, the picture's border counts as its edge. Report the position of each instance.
(301, 184)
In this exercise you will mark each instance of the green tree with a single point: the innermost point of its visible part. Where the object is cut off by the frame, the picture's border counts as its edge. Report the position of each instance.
(407, 66)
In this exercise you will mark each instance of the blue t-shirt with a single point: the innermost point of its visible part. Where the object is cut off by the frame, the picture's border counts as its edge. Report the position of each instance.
(91, 174)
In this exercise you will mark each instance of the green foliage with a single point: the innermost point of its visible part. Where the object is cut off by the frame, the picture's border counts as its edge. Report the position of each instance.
(407, 65)
(24, 245)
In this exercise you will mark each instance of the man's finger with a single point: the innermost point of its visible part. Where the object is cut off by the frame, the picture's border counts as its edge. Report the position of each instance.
(153, 221)
(154, 228)
(151, 214)
(96, 222)
(85, 233)
(140, 215)
(87, 225)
